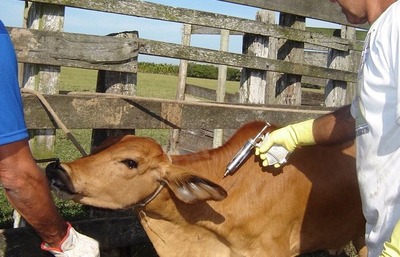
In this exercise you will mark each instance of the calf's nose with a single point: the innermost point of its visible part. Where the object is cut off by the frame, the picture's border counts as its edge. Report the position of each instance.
(51, 169)
(56, 174)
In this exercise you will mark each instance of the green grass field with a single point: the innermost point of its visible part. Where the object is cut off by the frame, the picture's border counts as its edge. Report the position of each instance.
(148, 85)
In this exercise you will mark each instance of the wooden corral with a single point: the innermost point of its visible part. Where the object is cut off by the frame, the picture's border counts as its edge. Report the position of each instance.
(294, 57)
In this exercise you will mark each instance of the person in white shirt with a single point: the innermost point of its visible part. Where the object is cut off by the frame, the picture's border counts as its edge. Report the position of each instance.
(373, 119)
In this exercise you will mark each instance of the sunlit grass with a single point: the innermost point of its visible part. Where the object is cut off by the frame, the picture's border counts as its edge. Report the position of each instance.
(148, 84)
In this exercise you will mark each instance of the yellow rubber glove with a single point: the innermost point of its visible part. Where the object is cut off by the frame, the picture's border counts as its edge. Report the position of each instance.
(290, 137)
(392, 247)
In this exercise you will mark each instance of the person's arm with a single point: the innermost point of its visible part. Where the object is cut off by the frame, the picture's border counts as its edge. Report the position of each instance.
(335, 127)
(25, 184)
(28, 192)
(331, 128)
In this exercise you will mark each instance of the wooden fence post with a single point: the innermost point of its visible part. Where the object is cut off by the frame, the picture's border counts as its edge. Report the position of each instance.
(43, 78)
(220, 93)
(339, 93)
(288, 86)
(253, 83)
(180, 91)
(120, 83)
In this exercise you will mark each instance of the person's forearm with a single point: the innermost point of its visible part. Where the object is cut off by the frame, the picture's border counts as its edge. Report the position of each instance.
(39, 211)
(335, 127)
(27, 190)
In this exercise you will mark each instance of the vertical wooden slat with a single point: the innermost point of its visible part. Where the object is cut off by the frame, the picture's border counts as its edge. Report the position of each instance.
(120, 83)
(220, 93)
(288, 86)
(272, 77)
(339, 93)
(43, 78)
(253, 82)
(180, 91)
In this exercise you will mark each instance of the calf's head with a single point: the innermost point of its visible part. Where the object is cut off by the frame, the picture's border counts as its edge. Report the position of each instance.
(123, 172)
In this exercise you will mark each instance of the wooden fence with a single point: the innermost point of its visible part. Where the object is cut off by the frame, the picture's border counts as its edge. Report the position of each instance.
(73, 50)
(43, 48)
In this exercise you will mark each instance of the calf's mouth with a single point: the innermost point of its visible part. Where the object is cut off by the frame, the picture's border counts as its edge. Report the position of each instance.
(60, 181)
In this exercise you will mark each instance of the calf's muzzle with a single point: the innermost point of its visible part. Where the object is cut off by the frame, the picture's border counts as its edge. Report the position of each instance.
(58, 178)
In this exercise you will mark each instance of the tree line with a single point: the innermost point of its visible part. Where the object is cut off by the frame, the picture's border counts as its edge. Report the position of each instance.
(194, 70)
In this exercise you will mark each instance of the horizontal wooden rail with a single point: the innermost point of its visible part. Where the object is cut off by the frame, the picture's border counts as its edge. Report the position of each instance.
(171, 50)
(99, 111)
(316, 9)
(307, 97)
(202, 30)
(194, 17)
(112, 53)
(75, 50)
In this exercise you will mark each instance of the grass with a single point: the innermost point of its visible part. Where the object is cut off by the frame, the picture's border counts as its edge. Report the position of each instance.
(148, 85)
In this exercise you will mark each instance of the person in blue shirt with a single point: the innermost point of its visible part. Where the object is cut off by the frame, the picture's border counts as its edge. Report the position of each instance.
(24, 183)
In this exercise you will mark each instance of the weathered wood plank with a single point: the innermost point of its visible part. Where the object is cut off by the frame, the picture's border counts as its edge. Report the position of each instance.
(163, 12)
(209, 94)
(336, 93)
(307, 97)
(321, 10)
(127, 112)
(316, 58)
(75, 50)
(111, 233)
(158, 48)
(201, 30)
(42, 78)
(287, 87)
(313, 81)
(112, 82)
(314, 55)
(109, 53)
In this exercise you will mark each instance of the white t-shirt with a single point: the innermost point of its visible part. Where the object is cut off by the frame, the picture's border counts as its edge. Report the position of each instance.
(376, 109)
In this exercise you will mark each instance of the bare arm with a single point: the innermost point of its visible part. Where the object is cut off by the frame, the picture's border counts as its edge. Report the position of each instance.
(27, 190)
(335, 127)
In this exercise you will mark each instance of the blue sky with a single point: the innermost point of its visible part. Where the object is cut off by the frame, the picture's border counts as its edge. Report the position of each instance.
(98, 23)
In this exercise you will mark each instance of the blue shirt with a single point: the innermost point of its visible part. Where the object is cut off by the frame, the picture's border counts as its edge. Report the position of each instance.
(12, 123)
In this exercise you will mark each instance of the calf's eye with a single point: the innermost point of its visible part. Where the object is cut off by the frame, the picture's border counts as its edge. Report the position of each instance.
(131, 164)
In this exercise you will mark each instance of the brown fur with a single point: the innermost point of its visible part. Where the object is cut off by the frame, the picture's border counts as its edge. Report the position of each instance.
(311, 203)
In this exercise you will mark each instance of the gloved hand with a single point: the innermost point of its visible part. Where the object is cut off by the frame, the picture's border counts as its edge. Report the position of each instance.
(74, 245)
(392, 247)
(289, 137)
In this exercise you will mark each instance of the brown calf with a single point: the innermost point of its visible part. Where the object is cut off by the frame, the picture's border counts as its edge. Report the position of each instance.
(311, 203)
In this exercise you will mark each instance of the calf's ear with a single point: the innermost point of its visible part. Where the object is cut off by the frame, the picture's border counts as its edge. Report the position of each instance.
(191, 188)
